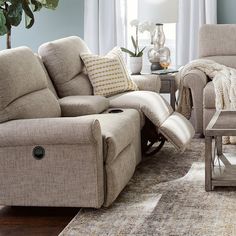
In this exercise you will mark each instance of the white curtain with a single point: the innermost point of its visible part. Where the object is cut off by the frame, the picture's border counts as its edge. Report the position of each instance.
(192, 15)
(104, 24)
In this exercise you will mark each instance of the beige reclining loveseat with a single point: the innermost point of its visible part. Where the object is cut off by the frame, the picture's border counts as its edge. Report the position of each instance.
(59, 144)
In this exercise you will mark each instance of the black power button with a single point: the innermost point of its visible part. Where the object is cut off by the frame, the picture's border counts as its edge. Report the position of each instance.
(38, 153)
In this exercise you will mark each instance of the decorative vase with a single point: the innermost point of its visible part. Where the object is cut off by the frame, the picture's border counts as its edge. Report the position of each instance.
(136, 64)
(158, 50)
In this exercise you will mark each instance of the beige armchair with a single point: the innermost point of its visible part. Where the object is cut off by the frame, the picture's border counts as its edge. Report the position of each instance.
(216, 42)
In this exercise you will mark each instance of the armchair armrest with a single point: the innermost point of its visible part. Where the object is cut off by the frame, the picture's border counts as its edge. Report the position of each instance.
(147, 82)
(72, 106)
(50, 131)
(196, 81)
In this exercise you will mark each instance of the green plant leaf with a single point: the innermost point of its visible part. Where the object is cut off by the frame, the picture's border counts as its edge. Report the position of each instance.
(128, 51)
(134, 43)
(29, 22)
(14, 13)
(51, 4)
(3, 28)
(2, 2)
(141, 52)
(29, 16)
(36, 6)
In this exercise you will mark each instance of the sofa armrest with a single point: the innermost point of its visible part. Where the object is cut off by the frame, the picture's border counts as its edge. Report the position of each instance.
(147, 82)
(72, 106)
(50, 131)
(196, 81)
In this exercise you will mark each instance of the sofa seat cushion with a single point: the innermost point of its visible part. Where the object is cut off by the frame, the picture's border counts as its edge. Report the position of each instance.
(23, 87)
(108, 74)
(120, 101)
(146, 102)
(209, 96)
(118, 131)
(83, 105)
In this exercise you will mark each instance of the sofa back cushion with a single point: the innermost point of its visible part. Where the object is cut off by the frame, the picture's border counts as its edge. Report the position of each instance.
(217, 40)
(23, 87)
(65, 67)
(229, 61)
(49, 81)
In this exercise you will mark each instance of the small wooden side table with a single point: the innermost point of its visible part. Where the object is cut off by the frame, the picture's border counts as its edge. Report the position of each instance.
(168, 86)
(220, 167)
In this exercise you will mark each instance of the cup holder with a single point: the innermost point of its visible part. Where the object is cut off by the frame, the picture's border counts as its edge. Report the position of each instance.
(114, 111)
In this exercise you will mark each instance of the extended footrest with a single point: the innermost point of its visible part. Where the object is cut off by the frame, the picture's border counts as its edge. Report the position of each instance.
(177, 130)
(172, 125)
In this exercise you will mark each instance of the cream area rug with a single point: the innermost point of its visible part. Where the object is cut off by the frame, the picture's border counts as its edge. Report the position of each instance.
(165, 197)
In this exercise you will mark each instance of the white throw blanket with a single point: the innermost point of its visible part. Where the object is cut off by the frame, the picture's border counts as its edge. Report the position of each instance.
(224, 80)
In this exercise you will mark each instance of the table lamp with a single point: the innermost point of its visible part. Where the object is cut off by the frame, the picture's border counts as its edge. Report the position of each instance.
(159, 12)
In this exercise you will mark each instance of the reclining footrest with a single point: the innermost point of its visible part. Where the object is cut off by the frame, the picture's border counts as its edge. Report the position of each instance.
(172, 125)
(177, 130)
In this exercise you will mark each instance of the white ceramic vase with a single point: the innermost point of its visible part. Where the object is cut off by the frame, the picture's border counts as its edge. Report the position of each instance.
(136, 64)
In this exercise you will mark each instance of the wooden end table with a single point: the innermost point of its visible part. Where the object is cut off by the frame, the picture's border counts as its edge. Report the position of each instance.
(168, 82)
(220, 168)
(168, 86)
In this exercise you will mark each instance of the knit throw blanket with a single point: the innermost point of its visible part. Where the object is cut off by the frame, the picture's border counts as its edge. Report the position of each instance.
(224, 80)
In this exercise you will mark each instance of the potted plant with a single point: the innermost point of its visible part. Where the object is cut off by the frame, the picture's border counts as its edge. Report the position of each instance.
(11, 13)
(136, 56)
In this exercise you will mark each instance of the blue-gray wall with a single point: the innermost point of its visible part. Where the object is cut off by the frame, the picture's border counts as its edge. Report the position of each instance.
(226, 11)
(66, 20)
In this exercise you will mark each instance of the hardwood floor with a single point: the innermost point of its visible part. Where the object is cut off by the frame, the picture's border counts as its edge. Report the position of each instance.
(34, 221)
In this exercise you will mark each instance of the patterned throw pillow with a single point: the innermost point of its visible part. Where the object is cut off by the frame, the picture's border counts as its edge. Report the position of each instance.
(108, 74)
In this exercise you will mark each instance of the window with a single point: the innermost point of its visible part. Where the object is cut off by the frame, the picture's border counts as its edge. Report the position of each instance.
(144, 38)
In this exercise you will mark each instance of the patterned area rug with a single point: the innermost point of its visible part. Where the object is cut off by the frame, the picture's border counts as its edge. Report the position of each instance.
(165, 197)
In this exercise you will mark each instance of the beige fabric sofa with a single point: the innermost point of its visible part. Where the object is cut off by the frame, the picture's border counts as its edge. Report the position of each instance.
(59, 144)
(87, 160)
(216, 42)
